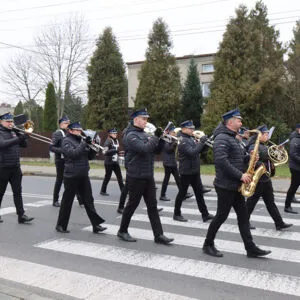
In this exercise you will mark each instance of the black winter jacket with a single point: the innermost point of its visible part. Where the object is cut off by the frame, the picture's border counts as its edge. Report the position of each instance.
(141, 149)
(111, 147)
(129, 128)
(10, 148)
(168, 154)
(189, 154)
(229, 158)
(77, 154)
(57, 138)
(294, 153)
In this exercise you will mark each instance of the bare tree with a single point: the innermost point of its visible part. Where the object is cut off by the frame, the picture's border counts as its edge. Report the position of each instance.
(22, 78)
(63, 57)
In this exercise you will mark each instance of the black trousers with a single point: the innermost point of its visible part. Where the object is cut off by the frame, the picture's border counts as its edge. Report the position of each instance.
(108, 171)
(168, 172)
(123, 195)
(265, 190)
(14, 177)
(195, 181)
(83, 186)
(60, 167)
(295, 183)
(226, 200)
(139, 188)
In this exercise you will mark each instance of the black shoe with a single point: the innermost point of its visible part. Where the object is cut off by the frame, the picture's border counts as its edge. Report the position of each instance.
(125, 236)
(252, 226)
(188, 195)
(24, 219)
(60, 229)
(159, 209)
(179, 218)
(104, 194)
(56, 204)
(212, 251)
(283, 226)
(1, 221)
(164, 198)
(162, 239)
(98, 228)
(257, 252)
(290, 210)
(120, 210)
(205, 190)
(294, 200)
(208, 217)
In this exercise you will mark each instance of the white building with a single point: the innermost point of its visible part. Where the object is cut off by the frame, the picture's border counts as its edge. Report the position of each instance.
(205, 68)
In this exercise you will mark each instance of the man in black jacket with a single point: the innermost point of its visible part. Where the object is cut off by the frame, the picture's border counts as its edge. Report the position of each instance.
(76, 178)
(111, 161)
(10, 171)
(264, 186)
(230, 165)
(140, 178)
(189, 169)
(294, 163)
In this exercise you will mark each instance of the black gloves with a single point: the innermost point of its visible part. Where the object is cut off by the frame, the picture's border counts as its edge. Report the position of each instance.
(23, 137)
(88, 140)
(204, 139)
(158, 132)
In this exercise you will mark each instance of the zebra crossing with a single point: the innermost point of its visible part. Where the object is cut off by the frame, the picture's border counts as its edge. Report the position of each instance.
(145, 270)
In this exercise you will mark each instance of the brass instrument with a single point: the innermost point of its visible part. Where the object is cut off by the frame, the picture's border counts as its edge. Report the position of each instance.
(198, 134)
(277, 154)
(95, 144)
(28, 129)
(150, 130)
(248, 189)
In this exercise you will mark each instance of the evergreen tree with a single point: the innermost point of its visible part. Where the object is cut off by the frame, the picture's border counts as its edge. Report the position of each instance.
(107, 85)
(192, 99)
(35, 114)
(73, 107)
(19, 108)
(159, 88)
(248, 71)
(50, 111)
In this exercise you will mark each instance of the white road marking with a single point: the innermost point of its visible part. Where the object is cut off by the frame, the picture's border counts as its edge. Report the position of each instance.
(190, 267)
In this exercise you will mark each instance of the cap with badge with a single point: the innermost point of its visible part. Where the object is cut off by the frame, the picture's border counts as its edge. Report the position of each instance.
(112, 131)
(242, 130)
(263, 128)
(7, 117)
(187, 124)
(75, 126)
(234, 113)
(64, 119)
(140, 113)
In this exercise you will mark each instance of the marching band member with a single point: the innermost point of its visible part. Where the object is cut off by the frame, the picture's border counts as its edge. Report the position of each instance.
(189, 170)
(294, 165)
(76, 178)
(230, 165)
(264, 186)
(140, 178)
(10, 170)
(111, 161)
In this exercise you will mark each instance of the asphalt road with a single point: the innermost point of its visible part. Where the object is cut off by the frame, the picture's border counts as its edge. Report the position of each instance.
(36, 261)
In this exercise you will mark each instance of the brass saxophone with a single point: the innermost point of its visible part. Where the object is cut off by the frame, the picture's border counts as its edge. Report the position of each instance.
(248, 189)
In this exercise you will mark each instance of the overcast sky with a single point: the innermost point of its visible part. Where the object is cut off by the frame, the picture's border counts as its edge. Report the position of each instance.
(196, 26)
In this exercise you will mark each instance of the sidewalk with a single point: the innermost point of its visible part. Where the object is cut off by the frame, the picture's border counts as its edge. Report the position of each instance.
(279, 185)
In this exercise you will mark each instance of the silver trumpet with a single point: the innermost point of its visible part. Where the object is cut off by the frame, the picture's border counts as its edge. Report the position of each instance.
(198, 134)
(95, 144)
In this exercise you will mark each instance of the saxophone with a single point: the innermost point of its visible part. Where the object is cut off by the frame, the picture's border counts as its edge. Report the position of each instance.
(248, 189)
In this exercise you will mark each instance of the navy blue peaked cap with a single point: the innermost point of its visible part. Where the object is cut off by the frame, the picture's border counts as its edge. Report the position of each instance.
(112, 130)
(7, 117)
(75, 125)
(63, 119)
(187, 124)
(298, 126)
(142, 113)
(263, 128)
(235, 113)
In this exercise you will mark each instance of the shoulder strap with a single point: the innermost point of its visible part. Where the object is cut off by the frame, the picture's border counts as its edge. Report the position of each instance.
(62, 133)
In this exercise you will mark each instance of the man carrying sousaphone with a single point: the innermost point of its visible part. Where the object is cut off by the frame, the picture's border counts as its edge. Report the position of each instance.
(230, 164)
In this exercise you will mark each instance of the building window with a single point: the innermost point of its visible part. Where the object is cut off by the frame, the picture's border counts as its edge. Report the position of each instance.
(208, 68)
(205, 89)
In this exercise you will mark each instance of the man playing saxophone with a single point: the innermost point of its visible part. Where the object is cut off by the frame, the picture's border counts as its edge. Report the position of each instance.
(264, 186)
(230, 165)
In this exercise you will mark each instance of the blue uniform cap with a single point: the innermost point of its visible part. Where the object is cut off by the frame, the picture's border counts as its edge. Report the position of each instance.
(140, 113)
(7, 117)
(171, 128)
(263, 128)
(298, 126)
(113, 130)
(75, 125)
(63, 119)
(235, 113)
(187, 124)
(242, 130)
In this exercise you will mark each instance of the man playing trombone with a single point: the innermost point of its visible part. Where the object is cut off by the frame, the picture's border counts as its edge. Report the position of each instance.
(10, 171)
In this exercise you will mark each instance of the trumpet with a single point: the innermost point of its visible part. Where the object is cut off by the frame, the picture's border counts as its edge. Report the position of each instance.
(198, 134)
(95, 144)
